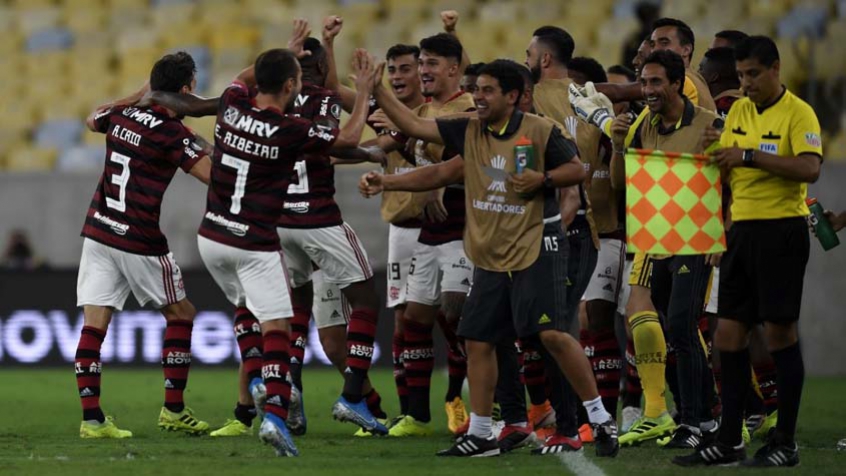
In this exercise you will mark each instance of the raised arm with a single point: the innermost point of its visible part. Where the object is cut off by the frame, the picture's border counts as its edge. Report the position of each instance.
(408, 123)
(332, 26)
(365, 71)
(431, 177)
(450, 19)
(130, 100)
(183, 104)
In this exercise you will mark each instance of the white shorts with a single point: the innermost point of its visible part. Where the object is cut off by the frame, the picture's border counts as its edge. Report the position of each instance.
(255, 279)
(335, 249)
(330, 306)
(107, 275)
(625, 288)
(711, 306)
(401, 245)
(437, 269)
(606, 282)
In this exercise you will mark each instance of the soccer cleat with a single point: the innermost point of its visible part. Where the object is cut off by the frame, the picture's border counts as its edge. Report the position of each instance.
(647, 429)
(182, 421)
(542, 416)
(274, 432)
(408, 426)
(362, 433)
(232, 428)
(558, 444)
(259, 393)
(763, 431)
(359, 414)
(605, 439)
(107, 429)
(630, 416)
(496, 412)
(462, 430)
(684, 437)
(714, 454)
(456, 414)
(747, 437)
(753, 422)
(512, 437)
(545, 433)
(296, 413)
(472, 446)
(774, 454)
(586, 433)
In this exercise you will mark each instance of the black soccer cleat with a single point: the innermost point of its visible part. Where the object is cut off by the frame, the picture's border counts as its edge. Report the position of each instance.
(685, 438)
(714, 454)
(513, 437)
(472, 446)
(775, 454)
(605, 439)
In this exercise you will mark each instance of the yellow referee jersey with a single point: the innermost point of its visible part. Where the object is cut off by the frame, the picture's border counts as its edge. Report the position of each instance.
(787, 128)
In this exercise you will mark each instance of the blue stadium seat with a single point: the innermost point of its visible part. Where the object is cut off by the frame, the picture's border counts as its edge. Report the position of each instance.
(804, 20)
(59, 134)
(49, 39)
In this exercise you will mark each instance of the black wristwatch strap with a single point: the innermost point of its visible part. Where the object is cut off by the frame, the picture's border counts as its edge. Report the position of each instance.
(748, 157)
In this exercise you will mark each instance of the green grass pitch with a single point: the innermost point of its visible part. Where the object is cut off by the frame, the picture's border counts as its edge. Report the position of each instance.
(40, 424)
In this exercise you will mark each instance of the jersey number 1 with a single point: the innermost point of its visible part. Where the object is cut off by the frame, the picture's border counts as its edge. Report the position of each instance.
(243, 167)
(302, 179)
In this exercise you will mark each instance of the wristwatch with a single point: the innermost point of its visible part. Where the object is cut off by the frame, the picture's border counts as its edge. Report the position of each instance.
(748, 157)
(547, 180)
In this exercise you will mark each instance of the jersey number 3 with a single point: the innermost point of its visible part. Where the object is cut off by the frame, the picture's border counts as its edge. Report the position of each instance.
(121, 181)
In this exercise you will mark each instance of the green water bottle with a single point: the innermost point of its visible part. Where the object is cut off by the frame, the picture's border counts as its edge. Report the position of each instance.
(524, 152)
(822, 227)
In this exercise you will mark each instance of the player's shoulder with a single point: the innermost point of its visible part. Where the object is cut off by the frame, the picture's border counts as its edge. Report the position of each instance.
(796, 105)
(462, 103)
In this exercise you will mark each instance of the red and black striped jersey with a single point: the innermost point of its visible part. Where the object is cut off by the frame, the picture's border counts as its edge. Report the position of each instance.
(254, 157)
(144, 148)
(310, 202)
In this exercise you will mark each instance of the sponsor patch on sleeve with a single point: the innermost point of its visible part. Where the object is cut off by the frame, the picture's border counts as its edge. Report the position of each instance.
(813, 139)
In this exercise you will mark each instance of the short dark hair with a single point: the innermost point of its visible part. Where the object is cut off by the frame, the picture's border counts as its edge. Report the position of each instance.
(273, 68)
(732, 36)
(722, 60)
(672, 63)
(443, 44)
(528, 80)
(401, 50)
(683, 31)
(762, 48)
(508, 73)
(589, 67)
(623, 71)
(172, 72)
(317, 56)
(558, 41)
(473, 69)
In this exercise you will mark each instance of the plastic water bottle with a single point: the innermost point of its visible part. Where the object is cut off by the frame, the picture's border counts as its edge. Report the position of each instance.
(524, 152)
(822, 227)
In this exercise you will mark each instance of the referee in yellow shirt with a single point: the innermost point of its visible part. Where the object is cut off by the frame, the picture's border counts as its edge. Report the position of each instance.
(771, 150)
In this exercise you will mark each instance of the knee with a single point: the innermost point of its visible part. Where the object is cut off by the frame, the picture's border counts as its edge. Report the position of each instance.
(730, 337)
(780, 337)
(554, 341)
(362, 294)
(184, 310)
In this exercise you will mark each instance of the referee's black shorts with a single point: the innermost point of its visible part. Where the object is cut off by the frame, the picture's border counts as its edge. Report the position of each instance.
(763, 271)
(504, 305)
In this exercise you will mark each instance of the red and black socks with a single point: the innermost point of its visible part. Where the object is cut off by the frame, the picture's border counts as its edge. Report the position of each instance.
(456, 359)
(607, 363)
(419, 361)
(274, 371)
(299, 337)
(248, 335)
(361, 333)
(397, 348)
(374, 404)
(176, 362)
(88, 366)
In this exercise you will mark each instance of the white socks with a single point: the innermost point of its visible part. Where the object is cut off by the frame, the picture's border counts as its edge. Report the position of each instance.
(595, 411)
(480, 426)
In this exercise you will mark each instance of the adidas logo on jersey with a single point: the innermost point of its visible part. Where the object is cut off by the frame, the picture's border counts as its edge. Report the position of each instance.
(86, 392)
(544, 319)
(684, 269)
(335, 314)
(465, 282)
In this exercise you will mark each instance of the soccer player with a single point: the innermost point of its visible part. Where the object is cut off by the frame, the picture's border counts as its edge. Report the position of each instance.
(599, 301)
(727, 39)
(771, 151)
(547, 56)
(125, 251)
(257, 147)
(519, 280)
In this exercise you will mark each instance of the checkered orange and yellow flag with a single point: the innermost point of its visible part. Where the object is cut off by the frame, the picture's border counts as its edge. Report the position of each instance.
(673, 204)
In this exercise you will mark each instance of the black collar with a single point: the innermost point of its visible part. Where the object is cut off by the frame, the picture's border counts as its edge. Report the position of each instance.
(510, 128)
(761, 109)
(686, 119)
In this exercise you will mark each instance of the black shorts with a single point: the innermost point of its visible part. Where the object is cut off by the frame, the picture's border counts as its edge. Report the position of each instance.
(503, 305)
(763, 271)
